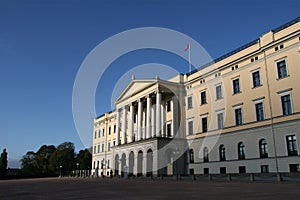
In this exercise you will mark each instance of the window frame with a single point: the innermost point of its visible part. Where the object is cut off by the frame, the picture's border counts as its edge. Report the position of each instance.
(191, 156)
(294, 145)
(205, 154)
(290, 108)
(189, 102)
(219, 93)
(190, 131)
(263, 148)
(259, 117)
(238, 115)
(219, 125)
(241, 151)
(203, 99)
(253, 80)
(206, 124)
(236, 85)
(286, 68)
(222, 152)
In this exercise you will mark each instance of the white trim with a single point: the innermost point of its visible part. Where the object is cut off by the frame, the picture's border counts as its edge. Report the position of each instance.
(260, 100)
(204, 115)
(288, 92)
(237, 106)
(220, 110)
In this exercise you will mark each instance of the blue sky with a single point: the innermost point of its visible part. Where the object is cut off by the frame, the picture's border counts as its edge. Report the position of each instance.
(43, 43)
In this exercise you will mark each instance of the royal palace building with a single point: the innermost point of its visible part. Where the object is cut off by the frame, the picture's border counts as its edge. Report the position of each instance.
(238, 114)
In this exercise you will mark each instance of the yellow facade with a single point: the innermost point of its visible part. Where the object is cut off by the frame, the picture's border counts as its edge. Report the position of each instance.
(264, 72)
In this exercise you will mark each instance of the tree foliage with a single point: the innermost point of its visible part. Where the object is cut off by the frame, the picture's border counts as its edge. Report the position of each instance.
(3, 164)
(51, 160)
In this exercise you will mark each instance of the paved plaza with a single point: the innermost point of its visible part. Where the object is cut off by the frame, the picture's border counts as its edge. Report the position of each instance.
(88, 188)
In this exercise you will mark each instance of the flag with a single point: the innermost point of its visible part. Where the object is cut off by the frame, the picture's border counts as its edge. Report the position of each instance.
(187, 47)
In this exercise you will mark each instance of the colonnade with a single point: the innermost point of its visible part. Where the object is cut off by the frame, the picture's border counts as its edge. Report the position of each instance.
(150, 120)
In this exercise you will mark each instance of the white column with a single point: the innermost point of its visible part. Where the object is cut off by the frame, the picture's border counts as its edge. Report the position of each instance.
(153, 114)
(139, 120)
(148, 125)
(163, 118)
(124, 125)
(144, 124)
(130, 123)
(118, 128)
(175, 116)
(158, 114)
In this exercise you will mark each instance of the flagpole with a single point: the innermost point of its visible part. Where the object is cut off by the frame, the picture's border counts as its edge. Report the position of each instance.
(190, 67)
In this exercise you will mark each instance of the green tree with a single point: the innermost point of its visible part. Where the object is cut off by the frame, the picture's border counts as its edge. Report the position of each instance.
(63, 156)
(84, 158)
(28, 165)
(3, 164)
(42, 158)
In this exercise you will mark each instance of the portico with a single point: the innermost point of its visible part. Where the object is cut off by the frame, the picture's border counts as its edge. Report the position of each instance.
(147, 112)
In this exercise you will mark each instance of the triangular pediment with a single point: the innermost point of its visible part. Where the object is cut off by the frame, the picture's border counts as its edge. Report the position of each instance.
(135, 86)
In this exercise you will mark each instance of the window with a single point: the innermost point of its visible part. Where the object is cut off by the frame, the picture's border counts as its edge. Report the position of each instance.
(203, 97)
(220, 120)
(95, 134)
(286, 104)
(205, 155)
(99, 133)
(222, 170)
(291, 145)
(241, 151)
(204, 124)
(108, 164)
(238, 116)
(259, 109)
(97, 164)
(191, 156)
(169, 130)
(109, 130)
(102, 147)
(190, 127)
(114, 143)
(103, 132)
(294, 167)
(168, 106)
(95, 149)
(98, 148)
(263, 148)
(282, 69)
(219, 92)
(242, 169)
(222, 153)
(108, 146)
(236, 86)
(94, 166)
(205, 170)
(264, 168)
(190, 102)
(256, 79)
(115, 128)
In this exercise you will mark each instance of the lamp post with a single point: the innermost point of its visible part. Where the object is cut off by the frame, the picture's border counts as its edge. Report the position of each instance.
(77, 164)
(60, 171)
(176, 153)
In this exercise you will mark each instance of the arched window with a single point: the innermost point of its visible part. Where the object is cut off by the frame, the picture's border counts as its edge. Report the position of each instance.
(222, 153)
(241, 151)
(205, 155)
(191, 156)
(263, 148)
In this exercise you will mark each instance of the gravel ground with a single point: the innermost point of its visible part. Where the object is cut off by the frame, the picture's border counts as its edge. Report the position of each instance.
(88, 188)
